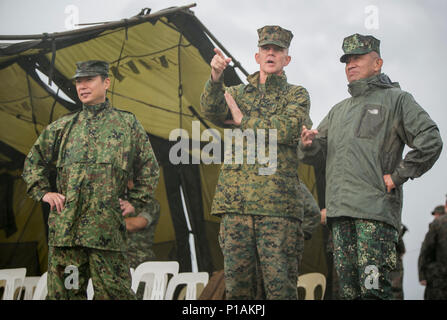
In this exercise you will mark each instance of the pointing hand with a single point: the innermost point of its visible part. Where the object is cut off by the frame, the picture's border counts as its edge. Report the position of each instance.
(218, 64)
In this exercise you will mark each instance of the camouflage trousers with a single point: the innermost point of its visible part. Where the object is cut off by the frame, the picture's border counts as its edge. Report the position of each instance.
(261, 256)
(364, 257)
(69, 269)
(397, 278)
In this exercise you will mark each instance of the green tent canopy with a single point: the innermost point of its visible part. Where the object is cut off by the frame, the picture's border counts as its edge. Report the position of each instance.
(159, 64)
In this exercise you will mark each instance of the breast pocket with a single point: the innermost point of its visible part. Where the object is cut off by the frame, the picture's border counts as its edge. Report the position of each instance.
(371, 121)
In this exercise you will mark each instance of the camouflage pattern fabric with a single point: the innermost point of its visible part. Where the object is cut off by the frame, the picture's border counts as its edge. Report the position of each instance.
(109, 271)
(91, 68)
(268, 269)
(433, 260)
(140, 243)
(93, 150)
(359, 44)
(279, 106)
(334, 283)
(397, 278)
(274, 35)
(364, 256)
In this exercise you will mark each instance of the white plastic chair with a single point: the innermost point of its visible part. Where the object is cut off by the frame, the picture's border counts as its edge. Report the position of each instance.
(155, 275)
(13, 279)
(41, 291)
(90, 292)
(28, 286)
(310, 281)
(191, 279)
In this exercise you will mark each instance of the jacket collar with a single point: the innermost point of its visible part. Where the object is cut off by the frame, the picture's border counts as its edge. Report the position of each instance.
(364, 86)
(273, 81)
(97, 108)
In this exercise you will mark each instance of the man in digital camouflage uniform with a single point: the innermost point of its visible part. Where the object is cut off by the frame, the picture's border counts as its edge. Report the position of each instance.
(141, 228)
(94, 150)
(432, 263)
(361, 141)
(261, 210)
(141, 231)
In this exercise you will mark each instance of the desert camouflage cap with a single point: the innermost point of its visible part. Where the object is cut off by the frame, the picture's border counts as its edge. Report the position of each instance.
(359, 44)
(274, 35)
(439, 209)
(91, 68)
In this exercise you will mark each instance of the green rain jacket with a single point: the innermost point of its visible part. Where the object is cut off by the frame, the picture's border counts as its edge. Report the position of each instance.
(94, 152)
(362, 139)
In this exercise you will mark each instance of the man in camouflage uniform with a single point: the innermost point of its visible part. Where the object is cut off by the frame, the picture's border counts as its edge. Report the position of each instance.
(141, 230)
(94, 150)
(261, 210)
(361, 142)
(432, 262)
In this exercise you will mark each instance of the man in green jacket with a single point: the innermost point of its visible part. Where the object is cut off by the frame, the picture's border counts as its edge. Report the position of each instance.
(261, 206)
(94, 151)
(361, 141)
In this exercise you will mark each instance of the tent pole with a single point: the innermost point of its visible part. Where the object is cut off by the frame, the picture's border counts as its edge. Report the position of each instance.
(236, 63)
(191, 236)
(107, 25)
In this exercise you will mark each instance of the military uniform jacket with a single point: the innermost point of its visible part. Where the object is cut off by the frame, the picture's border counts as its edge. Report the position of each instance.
(94, 152)
(281, 106)
(432, 263)
(362, 139)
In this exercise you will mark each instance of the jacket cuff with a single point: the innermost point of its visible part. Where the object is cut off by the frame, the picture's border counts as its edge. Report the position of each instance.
(38, 195)
(214, 86)
(397, 180)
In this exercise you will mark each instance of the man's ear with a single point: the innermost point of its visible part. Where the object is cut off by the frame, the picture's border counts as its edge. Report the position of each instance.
(107, 83)
(257, 57)
(379, 64)
(288, 59)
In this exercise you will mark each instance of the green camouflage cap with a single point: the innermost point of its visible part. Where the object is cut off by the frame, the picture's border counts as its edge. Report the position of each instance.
(274, 35)
(359, 44)
(439, 209)
(91, 68)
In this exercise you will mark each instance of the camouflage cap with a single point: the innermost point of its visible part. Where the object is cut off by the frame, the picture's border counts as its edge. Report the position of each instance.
(439, 209)
(91, 68)
(274, 35)
(359, 44)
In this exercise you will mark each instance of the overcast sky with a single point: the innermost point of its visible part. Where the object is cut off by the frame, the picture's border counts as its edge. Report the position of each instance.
(413, 46)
